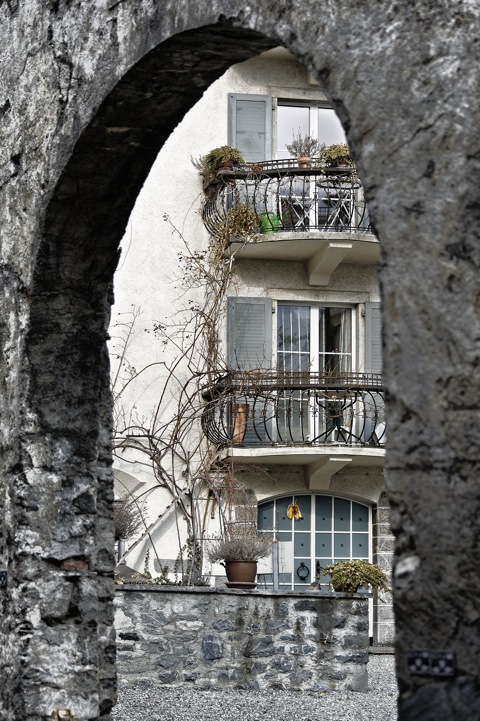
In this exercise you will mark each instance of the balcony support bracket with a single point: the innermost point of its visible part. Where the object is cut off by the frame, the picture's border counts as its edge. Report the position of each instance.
(320, 473)
(326, 260)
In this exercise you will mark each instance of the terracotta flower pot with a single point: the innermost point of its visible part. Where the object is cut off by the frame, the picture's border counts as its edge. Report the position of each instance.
(304, 161)
(238, 422)
(241, 574)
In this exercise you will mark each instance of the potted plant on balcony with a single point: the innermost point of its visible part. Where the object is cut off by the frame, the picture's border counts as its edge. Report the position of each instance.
(349, 576)
(269, 222)
(336, 156)
(303, 148)
(224, 157)
(238, 550)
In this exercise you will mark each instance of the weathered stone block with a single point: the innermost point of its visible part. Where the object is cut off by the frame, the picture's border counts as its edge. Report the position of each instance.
(170, 677)
(302, 650)
(354, 641)
(259, 647)
(283, 664)
(306, 605)
(224, 625)
(212, 647)
(359, 681)
(297, 680)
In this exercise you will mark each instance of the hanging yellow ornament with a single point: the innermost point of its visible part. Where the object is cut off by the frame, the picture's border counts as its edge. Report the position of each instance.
(293, 511)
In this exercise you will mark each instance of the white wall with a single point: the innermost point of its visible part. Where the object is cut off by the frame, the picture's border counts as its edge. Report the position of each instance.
(149, 273)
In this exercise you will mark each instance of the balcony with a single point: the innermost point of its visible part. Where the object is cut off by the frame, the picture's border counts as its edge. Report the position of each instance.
(322, 421)
(315, 214)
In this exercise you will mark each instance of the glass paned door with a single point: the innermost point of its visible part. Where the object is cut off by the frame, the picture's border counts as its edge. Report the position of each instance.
(331, 529)
(310, 340)
(311, 205)
(293, 357)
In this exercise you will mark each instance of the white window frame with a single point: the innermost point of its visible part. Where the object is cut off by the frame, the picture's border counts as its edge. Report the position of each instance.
(312, 105)
(314, 329)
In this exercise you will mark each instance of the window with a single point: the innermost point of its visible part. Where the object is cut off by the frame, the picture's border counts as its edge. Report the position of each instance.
(322, 343)
(331, 529)
(314, 338)
(250, 125)
(318, 122)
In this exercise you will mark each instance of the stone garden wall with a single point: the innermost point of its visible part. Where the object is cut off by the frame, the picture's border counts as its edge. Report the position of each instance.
(259, 639)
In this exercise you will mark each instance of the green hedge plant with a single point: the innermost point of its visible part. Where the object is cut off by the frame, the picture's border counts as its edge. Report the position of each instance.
(349, 576)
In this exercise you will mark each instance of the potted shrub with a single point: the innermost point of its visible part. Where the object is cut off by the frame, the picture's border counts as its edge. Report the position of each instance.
(127, 521)
(349, 576)
(336, 156)
(217, 159)
(238, 551)
(303, 148)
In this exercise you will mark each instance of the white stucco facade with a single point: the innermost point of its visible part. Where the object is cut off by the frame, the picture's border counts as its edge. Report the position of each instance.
(167, 224)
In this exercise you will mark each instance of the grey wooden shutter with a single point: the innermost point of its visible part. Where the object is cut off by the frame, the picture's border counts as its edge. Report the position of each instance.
(373, 338)
(249, 333)
(250, 125)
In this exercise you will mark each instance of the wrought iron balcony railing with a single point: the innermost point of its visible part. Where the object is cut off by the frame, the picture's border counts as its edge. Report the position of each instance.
(295, 409)
(285, 198)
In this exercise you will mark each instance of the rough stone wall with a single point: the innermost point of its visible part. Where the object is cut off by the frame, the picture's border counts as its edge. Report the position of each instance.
(383, 616)
(88, 92)
(258, 640)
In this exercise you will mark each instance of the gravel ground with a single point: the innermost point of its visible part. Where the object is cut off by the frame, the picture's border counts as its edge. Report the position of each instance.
(173, 703)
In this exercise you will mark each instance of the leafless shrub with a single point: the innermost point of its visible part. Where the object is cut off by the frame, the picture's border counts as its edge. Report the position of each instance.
(238, 545)
(127, 518)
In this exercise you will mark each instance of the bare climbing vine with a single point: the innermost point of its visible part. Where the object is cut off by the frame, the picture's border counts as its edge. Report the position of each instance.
(170, 442)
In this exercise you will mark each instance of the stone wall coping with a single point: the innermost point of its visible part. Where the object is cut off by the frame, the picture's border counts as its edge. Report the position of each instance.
(165, 588)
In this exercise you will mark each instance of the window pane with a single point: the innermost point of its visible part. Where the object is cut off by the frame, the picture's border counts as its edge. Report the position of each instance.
(323, 545)
(342, 514)
(293, 338)
(290, 119)
(360, 545)
(305, 505)
(341, 545)
(283, 522)
(359, 517)
(330, 130)
(265, 516)
(323, 513)
(335, 339)
(301, 545)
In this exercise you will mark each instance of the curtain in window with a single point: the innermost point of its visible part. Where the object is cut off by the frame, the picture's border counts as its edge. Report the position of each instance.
(293, 338)
(335, 340)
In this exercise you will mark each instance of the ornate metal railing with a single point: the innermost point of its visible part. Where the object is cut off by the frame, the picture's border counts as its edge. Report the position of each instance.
(288, 198)
(295, 409)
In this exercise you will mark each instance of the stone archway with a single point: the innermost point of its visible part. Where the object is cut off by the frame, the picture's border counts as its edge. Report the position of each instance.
(412, 129)
(68, 394)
